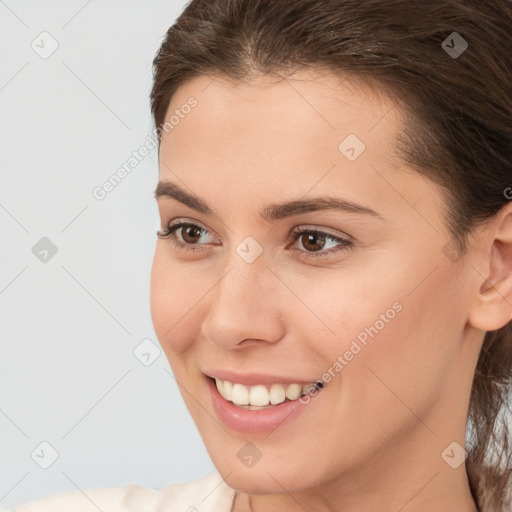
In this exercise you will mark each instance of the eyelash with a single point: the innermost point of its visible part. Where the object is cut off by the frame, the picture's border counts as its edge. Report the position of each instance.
(345, 244)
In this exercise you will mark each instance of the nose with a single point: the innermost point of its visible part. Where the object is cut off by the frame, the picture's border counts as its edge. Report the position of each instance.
(244, 306)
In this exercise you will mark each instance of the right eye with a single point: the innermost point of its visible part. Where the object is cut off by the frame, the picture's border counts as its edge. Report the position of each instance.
(185, 235)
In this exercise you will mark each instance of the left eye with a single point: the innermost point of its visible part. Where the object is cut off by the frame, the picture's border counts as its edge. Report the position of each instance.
(314, 242)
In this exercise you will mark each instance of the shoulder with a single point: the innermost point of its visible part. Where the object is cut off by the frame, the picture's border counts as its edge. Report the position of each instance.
(207, 494)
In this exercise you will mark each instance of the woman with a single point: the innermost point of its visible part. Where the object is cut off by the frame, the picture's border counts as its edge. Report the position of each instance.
(332, 283)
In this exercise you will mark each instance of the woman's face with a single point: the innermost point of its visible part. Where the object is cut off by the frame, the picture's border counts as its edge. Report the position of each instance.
(367, 300)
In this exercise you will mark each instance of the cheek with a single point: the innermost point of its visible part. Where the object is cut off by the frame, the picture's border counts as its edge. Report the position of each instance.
(377, 332)
(174, 296)
(403, 364)
(356, 303)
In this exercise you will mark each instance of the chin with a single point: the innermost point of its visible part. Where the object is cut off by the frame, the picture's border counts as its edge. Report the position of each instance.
(268, 477)
(262, 481)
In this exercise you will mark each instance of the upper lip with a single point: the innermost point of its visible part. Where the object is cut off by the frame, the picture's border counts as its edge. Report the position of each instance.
(252, 378)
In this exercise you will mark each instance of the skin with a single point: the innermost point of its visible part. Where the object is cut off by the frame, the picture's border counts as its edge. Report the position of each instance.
(372, 438)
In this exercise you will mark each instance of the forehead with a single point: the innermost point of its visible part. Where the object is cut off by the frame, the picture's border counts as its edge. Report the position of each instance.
(270, 140)
(301, 116)
(305, 100)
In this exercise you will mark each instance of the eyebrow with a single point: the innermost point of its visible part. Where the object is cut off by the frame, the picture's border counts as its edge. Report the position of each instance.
(271, 212)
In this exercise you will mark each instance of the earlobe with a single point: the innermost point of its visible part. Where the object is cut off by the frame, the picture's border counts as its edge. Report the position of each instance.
(492, 308)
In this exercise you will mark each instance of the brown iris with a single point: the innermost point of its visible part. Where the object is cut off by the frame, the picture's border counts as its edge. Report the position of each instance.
(190, 233)
(313, 241)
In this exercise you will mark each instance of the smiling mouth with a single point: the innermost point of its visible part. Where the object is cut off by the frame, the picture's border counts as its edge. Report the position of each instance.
(263, 396)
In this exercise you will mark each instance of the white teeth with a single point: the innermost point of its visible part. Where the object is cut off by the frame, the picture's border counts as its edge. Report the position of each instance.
(277, 394)
(260, 396)
(240, 395)
(293, 391)
(227, 390)
(307, 388)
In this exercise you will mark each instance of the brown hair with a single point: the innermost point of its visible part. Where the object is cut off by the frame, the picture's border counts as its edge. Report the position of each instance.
(458, 133)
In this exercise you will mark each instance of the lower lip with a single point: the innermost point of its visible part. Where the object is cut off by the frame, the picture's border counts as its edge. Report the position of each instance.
(254, 421)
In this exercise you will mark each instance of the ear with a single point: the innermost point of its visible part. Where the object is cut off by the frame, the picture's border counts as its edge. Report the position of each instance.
(492, 306)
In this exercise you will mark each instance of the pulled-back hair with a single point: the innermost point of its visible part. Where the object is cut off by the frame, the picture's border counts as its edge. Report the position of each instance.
(458, 131)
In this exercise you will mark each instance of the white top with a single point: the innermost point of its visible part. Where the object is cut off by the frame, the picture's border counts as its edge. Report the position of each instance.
(207, 494)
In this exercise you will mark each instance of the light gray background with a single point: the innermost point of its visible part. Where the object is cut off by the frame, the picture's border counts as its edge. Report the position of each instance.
(69, 326)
